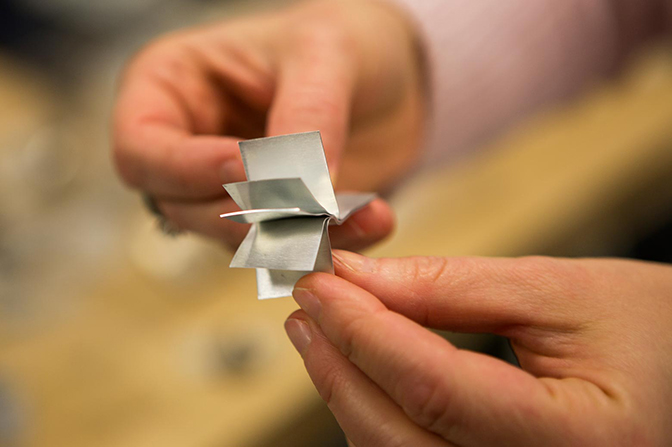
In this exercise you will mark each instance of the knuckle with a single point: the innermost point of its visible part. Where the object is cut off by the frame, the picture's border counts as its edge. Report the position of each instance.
(331, 383)
(155, 49)
(167, 58)
(425, 269)
(432, 269)
(428, 404)
(350, 334)
(545, 275)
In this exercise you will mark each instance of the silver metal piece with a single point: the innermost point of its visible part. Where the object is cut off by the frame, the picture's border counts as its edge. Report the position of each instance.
(274, 193)
(290, 201)
(283, 244)
(349, 203)
(277, 283)
(252, 216)
(298, 155)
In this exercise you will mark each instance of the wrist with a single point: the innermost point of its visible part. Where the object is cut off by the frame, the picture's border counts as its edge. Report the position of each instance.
(398, 35)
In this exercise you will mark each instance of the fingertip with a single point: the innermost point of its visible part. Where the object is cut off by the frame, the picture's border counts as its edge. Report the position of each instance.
(298, 314)
(380, 221)
(383, 209)
(299, 332)
(316, 290)
(367, 226)
(376, 219)
(312, 281)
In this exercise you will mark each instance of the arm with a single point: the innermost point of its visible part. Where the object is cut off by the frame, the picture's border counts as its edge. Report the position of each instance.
(491, 63)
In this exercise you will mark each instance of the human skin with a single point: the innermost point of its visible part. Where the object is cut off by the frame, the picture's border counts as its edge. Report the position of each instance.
(349, 69)
(592, 338)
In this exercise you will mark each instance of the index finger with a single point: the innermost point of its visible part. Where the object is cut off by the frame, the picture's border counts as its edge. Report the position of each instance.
(315, 87)
(465, 397)
(472, 294)
(164, 126)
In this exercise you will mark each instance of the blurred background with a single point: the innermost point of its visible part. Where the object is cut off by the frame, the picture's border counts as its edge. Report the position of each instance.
(114, 335)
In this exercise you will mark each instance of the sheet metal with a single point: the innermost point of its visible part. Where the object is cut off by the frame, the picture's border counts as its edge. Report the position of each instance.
(274, 193)
(298, 155)
(252, 216)
(290, 201)
(284, 244)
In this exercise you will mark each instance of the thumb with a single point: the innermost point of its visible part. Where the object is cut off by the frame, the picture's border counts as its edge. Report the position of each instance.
(465, 397)
(314, 91)
(471, 294)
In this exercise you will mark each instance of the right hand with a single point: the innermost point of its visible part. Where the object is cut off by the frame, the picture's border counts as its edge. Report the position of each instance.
(349, 69)
(591, 337)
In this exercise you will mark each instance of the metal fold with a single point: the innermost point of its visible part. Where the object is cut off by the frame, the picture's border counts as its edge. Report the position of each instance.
(290, 202)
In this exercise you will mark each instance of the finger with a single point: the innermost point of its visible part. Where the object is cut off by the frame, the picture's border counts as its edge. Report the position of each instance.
(474, 294)
(366, 414)
(166, 108)
(314, 89)
(467, 398)
(203, 218)
(364, 228)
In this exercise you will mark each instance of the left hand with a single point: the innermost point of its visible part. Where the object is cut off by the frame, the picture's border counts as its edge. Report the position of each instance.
(350, 69)
(592, 338)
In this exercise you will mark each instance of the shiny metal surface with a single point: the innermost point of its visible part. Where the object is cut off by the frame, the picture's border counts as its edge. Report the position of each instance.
(277, 283)
(291, 156)
(252, 216)
(274, 193)
(284, 244)
(290, 201)
(349, 203)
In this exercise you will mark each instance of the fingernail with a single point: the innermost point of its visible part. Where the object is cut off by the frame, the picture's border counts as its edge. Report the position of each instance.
(299, 333)
(232, 171)
(352, 261)
(308, 302)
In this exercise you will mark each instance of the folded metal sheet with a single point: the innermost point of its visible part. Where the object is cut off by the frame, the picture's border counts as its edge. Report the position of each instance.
(277, 283)
(274, 193)
(252, 216)
(290, 201)
(284, 244)
(298, 155)
(350, 202)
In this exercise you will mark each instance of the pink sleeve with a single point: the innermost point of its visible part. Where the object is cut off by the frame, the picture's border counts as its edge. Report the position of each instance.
(491, 62)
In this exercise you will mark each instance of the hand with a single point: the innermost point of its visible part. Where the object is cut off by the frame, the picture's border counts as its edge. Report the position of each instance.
(349, 69)
(592, 338)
